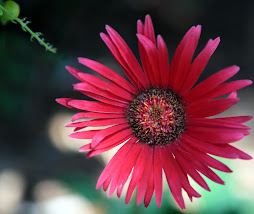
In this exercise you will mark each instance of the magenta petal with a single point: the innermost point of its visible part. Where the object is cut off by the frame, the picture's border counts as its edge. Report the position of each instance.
(157, 175)
(74, 72)
(148, 29)
(107, 132)
(208, 160)
(114, 162)
(112, 47)
(98, 122)
(101, 149)
(107, 86)
(150, 188)
(114, 139)
(227, 88)
(82, 115)
(163, 60)
(65, 102)
(172, 176)
(137, 172)
(241, 154)
(214, 149)
(210, 83)
(207, 108)
(106, 184)
(199, 64)
(84, 135)
(96, 93)
(188, 168)
(185, 59)
(177, 56)
(144, 58)
(95, 106)
(217, 123)
(143, 182)
(123, 170)
(236, 119)
(128, 56)
(108, 74)
(85, 148)
(185, 182)
(152, 55)
(200, 166)
(130, 162)
(216, 137)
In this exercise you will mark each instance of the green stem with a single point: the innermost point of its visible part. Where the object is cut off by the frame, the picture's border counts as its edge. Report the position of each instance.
(35, 35)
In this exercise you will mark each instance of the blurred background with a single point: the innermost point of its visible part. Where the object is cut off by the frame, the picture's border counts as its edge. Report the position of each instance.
(41, 171)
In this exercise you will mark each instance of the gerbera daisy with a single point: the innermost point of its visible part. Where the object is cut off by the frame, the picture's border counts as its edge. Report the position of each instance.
(163, 121)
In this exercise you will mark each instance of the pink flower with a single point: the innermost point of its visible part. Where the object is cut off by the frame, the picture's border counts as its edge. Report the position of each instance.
(161, 118)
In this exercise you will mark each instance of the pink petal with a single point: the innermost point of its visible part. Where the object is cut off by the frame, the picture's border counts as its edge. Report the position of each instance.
(128, 56)
(185, 60)
(172, 176)
(237, 119)
(84, 134)
(103, 99)
(216, 123)
(98, 122)
(114, 162)
(214, 149)
(208, 160)
(200, 166)
(188, 168)
(103, 85)
(114, 139)
(163, 61)
(112, 47)
(143, 56)
(207, 108)
(100, 92)
(74, 72)
(198, 65)
(138, 171)
(185, 181)
(150, 188)
(65, 101)
(241, 154)
(82, 115)
(227, 88)
(215, 137)
(152, 54)
(210, 83)
(157, 175)
(101, 149)
(108, 74)
(123, 171)
(85, 148)
(106, 184)
(105, 133)
(143, 182)
(178, 54)
(148, 29)
(95, 106)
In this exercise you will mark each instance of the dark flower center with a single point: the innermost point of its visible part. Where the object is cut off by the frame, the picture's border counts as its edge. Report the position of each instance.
(156, 116)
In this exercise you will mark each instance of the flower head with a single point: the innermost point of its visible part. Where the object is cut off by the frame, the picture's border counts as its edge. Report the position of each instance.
(160, 117)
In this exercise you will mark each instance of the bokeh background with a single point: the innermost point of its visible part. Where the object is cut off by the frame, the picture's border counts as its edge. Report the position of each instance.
(41, 171)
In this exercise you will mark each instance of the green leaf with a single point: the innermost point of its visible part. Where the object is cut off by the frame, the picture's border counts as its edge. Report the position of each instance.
(1, 12)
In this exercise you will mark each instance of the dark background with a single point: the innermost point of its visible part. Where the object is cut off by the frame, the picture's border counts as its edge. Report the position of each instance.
(39, 164)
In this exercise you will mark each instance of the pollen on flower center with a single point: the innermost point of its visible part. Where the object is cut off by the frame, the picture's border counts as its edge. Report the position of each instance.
(157, 116)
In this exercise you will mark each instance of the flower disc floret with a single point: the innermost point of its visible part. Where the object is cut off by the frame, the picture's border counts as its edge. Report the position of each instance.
(156, 116)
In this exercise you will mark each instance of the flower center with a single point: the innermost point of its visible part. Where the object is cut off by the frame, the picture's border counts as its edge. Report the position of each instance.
(156, 116)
